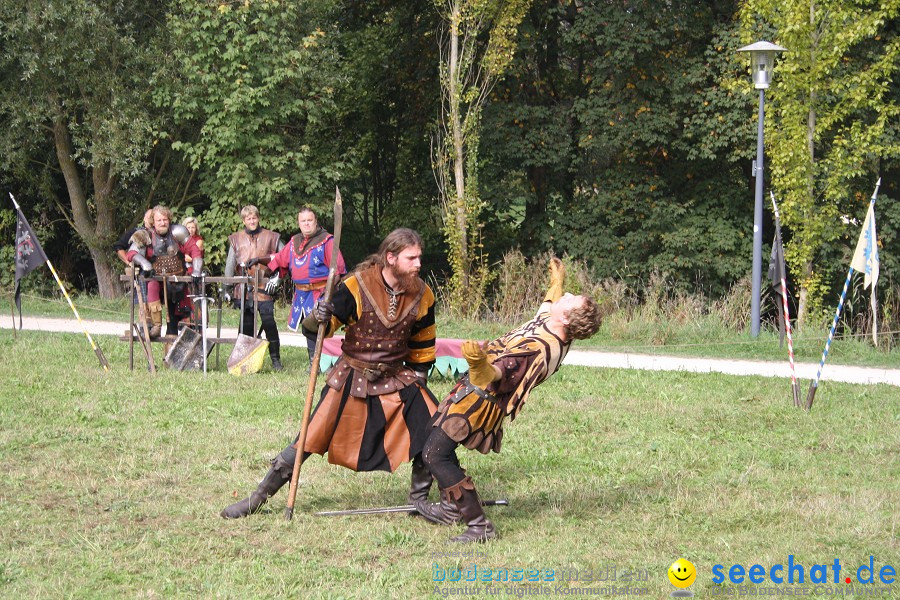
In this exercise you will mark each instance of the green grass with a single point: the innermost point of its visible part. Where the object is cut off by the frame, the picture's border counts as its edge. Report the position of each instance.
(111, 484)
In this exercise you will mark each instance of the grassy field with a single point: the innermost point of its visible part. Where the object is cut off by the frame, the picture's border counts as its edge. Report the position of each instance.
(704, 336)
(111, 484)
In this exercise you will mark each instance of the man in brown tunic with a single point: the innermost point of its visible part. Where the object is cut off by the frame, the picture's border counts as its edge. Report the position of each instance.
(375, 410)
(500, 378)
(250, 249)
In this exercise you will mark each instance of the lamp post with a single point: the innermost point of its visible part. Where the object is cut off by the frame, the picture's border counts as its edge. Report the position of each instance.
(762, 59)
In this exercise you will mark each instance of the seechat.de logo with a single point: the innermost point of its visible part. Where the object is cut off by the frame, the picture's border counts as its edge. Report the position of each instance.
(794, 572)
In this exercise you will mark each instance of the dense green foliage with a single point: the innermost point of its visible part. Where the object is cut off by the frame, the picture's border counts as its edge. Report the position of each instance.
(619, 133)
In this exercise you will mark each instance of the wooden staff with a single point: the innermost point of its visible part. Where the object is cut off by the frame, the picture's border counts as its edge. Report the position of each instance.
(314, 365)
(131, 326)
(145, 340)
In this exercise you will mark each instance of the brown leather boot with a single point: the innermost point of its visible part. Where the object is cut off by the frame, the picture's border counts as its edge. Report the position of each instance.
(278, 475)
(155, 319)
(442, 513)
(469, 504)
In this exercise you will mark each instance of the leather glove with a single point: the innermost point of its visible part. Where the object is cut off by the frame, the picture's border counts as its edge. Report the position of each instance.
(323, 311)
(272, 285)
(250, 263)
(147, 273)
(481, 372)
(557, 277)
(226, 298)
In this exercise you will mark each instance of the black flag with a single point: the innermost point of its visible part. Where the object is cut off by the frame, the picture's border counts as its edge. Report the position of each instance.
(29, 255)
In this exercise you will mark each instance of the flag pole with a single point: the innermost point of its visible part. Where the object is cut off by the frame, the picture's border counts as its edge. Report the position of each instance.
(96, 348)
(12, 310)
(813, 386)
(795, 387)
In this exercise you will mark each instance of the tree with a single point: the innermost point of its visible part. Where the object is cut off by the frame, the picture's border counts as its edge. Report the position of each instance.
(76, 74)
(254, 80)
(612, 140)
(835, 120)
(477, 44)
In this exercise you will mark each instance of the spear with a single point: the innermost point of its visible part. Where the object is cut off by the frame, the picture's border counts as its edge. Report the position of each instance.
(814, 385)
(314, 364)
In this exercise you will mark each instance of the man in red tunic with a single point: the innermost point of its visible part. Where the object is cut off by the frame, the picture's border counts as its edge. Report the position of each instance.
(307, 258)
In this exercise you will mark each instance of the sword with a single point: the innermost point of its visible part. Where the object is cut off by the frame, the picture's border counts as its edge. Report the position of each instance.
(408, 508)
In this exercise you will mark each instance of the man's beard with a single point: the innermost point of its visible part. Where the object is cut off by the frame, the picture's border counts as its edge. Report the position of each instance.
(405, 280)
(163, 232)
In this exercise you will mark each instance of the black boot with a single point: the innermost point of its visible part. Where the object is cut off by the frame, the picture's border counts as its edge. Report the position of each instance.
(469, 505)
(278, 475)
(442, 513)
(275, 353)
(420, 481)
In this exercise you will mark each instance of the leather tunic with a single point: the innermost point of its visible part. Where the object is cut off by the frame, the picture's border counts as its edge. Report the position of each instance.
(261, 244)
(376, 339)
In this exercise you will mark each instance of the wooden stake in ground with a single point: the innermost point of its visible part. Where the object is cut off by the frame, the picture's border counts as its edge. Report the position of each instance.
(145, 313)
(314, 364)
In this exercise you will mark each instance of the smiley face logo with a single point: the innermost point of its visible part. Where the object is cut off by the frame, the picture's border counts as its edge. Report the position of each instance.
(682, 573)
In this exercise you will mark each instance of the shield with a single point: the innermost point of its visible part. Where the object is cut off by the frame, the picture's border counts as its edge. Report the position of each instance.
(248, 355)
(186, 353)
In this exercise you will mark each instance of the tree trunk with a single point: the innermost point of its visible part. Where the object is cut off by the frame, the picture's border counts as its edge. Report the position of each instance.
(803, 302)
(458, 150)
(96, 234)
(810, 186)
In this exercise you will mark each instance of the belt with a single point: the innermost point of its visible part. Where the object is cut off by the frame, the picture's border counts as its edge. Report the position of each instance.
(466, 387)
(308, 287)
(373, 371)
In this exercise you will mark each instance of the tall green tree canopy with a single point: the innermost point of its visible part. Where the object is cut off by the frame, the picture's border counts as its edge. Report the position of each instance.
(75, 75)
(254, 86)
(835, 112)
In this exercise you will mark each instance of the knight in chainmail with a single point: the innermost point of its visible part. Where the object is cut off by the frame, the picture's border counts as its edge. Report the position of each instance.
(375, 410)
(501, 375)
(160, 251)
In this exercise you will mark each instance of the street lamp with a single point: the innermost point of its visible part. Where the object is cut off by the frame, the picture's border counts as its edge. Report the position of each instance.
(762, 59)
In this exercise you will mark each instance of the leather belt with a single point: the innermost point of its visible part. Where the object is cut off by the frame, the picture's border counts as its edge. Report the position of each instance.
(466, 387)
(308, 287)
(373, 371)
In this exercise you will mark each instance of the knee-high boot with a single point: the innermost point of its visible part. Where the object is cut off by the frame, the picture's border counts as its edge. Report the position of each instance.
(278, 475)
(480, 529)
(155, 309)
(442, 513)
(420, 481)
(275, 355)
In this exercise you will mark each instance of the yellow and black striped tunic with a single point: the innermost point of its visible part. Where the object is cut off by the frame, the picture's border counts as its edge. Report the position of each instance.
(526, 356)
